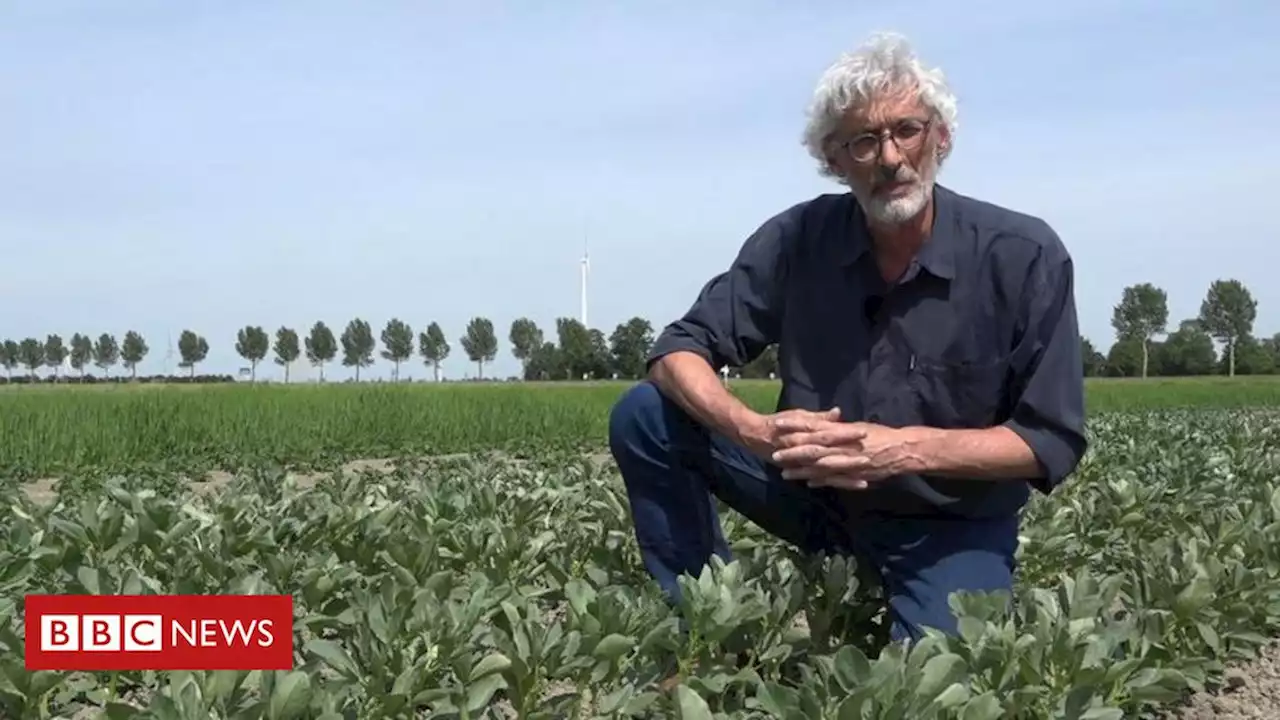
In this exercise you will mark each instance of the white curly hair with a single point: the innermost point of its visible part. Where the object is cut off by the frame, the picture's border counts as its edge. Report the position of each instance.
(884, 63)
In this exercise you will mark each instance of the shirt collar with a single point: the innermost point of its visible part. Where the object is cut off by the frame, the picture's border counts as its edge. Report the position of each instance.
(936, 256)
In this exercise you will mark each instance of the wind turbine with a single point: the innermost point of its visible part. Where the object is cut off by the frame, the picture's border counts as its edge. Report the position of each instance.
(168, 354)
(586, 269)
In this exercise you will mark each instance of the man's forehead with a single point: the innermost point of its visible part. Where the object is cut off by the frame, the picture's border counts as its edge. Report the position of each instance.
(883, 107)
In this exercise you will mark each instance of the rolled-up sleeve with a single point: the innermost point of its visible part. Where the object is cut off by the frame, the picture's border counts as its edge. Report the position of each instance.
(1048, 409)
(737, 313)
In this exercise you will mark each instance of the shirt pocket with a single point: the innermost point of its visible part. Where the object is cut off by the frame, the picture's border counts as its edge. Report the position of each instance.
(959, 393)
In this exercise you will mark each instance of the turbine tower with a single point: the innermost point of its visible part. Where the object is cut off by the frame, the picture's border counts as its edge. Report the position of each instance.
(586, 268)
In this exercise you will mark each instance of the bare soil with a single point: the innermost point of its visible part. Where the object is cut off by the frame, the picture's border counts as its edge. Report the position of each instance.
(1250, 691)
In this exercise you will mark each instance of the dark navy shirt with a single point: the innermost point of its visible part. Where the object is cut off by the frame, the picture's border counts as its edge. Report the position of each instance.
(979, 331)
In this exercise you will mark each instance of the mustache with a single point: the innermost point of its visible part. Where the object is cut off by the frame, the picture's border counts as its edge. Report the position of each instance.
(897, 173)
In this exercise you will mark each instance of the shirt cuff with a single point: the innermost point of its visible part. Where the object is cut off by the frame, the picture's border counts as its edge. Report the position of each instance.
(1056, 456)
(668, 344)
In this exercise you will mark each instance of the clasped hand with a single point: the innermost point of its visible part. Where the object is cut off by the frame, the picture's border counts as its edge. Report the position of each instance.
(820, 450)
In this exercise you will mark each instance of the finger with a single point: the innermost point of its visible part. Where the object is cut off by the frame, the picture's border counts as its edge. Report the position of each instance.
(819, 465)
(804, 454)
(807, 418)
(835, 434)
(839, 482)
(814, 451)
(785, 425)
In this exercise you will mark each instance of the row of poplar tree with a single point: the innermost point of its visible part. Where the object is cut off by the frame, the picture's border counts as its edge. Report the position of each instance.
(1227, 315)
(580, 352)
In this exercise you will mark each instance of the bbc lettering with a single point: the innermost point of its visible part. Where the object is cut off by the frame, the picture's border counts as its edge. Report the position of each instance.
(144, 633)
(159, 632)
(100, 633)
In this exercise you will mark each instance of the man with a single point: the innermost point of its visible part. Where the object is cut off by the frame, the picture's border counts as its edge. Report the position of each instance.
(929, 357)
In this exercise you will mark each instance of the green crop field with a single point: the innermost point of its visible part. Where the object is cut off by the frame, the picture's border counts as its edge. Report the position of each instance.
(507, 585)
(50, 431)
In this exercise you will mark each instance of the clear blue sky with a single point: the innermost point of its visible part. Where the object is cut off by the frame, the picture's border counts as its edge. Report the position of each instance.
(168, 165)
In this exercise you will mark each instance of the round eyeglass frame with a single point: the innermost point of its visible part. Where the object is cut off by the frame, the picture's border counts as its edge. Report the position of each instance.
(874, 139)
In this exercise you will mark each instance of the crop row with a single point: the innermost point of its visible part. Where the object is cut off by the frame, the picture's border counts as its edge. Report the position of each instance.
(492, 588)
(50, 432)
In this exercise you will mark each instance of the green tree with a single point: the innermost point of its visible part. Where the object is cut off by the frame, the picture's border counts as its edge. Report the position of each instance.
(1143, 313)
(544, 363)
(1124, 359)
(106, 353)
(1094, 362)
(764, 366)
(1273, 345)
(480, 343)
(322, 347)
(357, 345)
(397, 339)
(629, 347)
(526, 338)
(193, 349)
(434, 348)
(132, 351)
(599, 361)
(286, 349)
(55, 353)
(252, 344)
(81, 352)
(1187, 351)
(31, 354)
(9, 357)
(575, 348)
(1253, 357)
(1227, 313)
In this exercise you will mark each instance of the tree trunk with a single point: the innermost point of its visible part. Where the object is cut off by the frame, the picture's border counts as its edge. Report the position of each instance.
(286, 373)
(1145, 357)
(1231, 359)
(435, 369)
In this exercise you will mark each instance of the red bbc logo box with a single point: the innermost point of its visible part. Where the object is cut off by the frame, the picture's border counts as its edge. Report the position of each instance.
(159, 632)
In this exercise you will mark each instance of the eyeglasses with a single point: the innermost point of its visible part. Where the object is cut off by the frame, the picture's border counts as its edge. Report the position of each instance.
(906, 134)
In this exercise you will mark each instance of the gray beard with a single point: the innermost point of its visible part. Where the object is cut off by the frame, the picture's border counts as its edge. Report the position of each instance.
(895, 211)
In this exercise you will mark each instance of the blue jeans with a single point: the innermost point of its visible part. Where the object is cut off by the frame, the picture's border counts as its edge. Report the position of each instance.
(672, 467)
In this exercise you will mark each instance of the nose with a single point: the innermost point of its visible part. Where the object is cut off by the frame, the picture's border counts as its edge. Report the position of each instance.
(890, 158)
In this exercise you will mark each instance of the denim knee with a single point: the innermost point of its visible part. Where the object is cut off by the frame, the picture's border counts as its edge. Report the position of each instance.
(636, 420)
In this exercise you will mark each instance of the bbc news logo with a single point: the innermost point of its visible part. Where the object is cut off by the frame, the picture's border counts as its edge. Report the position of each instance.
(159, 632)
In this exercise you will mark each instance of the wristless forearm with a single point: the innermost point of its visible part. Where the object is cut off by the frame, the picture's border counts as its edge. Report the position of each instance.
(690, 381)
(995, 453)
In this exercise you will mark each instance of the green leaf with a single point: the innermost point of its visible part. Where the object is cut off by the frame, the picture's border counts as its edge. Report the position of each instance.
(690, 705)
(333, 655)
(939, 672)
(492, 663)
(953, 696)
(614, 646)
(121, 711)
(983, 707)
(481, 692)
(291, 696)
